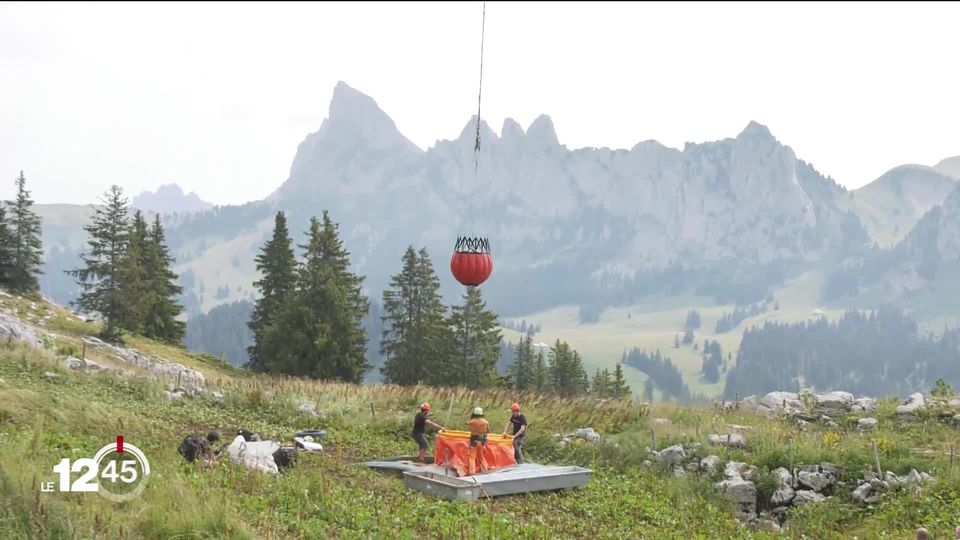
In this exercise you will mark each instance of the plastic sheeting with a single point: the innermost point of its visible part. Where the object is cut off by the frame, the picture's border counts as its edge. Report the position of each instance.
(255, 455)
(452, 449)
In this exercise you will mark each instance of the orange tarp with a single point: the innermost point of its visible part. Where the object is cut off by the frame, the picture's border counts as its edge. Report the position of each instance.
(453, 449)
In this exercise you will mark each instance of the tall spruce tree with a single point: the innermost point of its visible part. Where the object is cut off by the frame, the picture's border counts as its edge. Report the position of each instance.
(133, 276)
(648, 390)
(565, 371)
(600, 387)
(618, 387)
(26, 249)
(539, 380)
(415, 341)
(6, 249)
(100, 278)
(277, 267)
(476, 338)
(159, 316)
(521, 371)
(319, 331)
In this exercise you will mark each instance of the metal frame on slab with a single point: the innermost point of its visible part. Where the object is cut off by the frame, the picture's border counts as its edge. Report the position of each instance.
(525, 478)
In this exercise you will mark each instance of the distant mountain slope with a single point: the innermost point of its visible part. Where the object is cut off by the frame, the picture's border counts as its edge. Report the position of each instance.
(949, 167)
(891, 205)
(169, 199)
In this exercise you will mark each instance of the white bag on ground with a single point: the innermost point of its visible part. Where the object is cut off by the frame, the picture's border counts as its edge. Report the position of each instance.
(308, 445)
(255, 455)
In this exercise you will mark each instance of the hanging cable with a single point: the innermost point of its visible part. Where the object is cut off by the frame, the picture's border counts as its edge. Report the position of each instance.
(476, 148)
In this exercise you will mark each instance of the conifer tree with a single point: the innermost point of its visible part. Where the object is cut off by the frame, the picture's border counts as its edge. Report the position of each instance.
(521, 372)
(277, 267)
(416, 344)
(133, 276)
(161, 308)
(319, 331)
(26, 249)
(539, 380)
(618, 387)
(565, 371)
(648, 390)
(476, 338)
(601, 384)
(6, 245)
(100, 278)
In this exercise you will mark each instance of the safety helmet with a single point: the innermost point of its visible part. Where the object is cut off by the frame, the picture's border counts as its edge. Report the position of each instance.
(515, 407)
(424, 406)
(478, 411)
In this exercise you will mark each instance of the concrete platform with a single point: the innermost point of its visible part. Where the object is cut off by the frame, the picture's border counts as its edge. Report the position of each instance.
(521, 478)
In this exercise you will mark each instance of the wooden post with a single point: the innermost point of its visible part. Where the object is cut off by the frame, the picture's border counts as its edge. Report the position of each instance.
(876, 458)
(83, 352)
(373, 412)
(178, 379)
(653, 437)
(737, 403)
(450, 408)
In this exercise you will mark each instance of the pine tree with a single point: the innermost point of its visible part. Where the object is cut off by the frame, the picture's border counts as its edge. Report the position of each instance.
(476, 337)
(100, 278)
(26, 249)
(133, 276)
(565, 371)
(539, 377)
(415, 341)
(601, 384)
(648, 390)
(159, 318)
(618, 387)
(277, 267)
(521, 371)
(6, 248)
(319, 330)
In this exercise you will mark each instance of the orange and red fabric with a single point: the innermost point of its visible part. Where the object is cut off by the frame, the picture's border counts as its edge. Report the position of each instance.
(452, 449)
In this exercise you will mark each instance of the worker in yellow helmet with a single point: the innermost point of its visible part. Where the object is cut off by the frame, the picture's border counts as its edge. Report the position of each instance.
(479, 428)
(420, 423)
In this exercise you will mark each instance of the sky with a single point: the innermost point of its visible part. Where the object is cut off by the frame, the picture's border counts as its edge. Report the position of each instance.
(217, 96)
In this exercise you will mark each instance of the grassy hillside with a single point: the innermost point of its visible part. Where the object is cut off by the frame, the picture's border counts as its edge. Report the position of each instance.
(328, 496)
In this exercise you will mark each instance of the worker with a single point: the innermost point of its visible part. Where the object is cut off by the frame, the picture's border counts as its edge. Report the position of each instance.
(519, 422)
(420, 423)
(479, 428)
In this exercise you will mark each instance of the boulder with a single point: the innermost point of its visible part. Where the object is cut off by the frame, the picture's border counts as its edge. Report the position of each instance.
(49, 376)
(730, 440)
(814, 480)
(587, 434)
(766, 525)
(831, 470)
(678, 471)
(307, 409)
(72, 363)
(955, 403)
(913, 404)
(13, 329)
(661, 421)
(834, 403)
(744, 495)
(862, 493)
(217, 396)
(776, 402)
(709, 464)
(912, 479)
(782, 496)
(673, 455)
(866, 424)
(784, 478)
(864, 404)
(736, 469)
(805, 497)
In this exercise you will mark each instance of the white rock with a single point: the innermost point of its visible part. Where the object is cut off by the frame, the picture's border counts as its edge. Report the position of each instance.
(864, 405)
(862, 493)
(782, 496)
(709, 464)
(732, 440)
(588, 434)
(679, 472)
(73, 363)
(307, 408)
(737, 469)
(13, 329)
(673, 455)
(804, 497)
(815, 481)
(834, 403)
(784, 478)
(49, 376)
(743, 493)
(865, 424)
(776, 402)
(913, 404)
(661, 421)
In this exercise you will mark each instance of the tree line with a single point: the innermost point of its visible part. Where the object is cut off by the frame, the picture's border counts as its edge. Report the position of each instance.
(661, 372)
(879, 352)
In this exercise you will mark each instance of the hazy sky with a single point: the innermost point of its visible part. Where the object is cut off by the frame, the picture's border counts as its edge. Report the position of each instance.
(216, 97)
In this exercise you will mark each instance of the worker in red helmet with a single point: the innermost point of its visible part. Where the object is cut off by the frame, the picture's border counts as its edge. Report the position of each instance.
(519, 422)
(420, 423)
